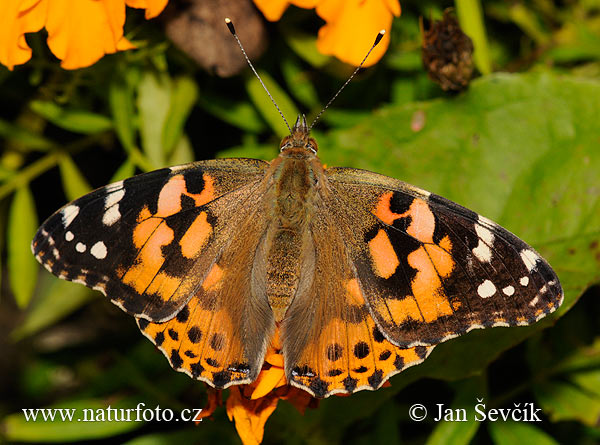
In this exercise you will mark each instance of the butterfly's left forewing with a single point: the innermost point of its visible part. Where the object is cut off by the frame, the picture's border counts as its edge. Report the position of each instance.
(431, 269)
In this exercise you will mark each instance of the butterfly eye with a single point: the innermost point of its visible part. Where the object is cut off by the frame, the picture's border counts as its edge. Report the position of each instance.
(310, 146)
(285, 146)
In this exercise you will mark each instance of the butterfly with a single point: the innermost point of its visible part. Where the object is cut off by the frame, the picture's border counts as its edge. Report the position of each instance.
(360, 274)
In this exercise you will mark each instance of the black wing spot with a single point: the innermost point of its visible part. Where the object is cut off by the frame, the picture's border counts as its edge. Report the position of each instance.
(173, 334)
(375, 379)
(377, 335)
(319, 387)
(399, 362)
(197, 369)
(212, 362)
(385, 355)
(221, 378)
(176, 360)
(217, 342)
(334, 352)
(421, 351)
(350, 384)
(183, 315)
(361, 350)
(194, 334)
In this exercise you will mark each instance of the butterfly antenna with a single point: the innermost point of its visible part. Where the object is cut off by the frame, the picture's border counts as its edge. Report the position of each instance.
(377, 40)
(229, 24)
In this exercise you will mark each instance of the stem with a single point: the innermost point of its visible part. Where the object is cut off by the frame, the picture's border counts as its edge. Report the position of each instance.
(470, 16)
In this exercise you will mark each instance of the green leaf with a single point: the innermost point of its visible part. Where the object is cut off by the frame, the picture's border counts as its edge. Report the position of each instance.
(305, 46)
(77, 121)
(56, 300)
(23, 137)
(17, 429)
(261, 100)
(517, 433)
(183, 152)
(239, 114)
(74, 184)
(299, 83)
(183, 97)
(154, 100)
(126, 170)
(121, 101)
(22, 225)
(565, 401)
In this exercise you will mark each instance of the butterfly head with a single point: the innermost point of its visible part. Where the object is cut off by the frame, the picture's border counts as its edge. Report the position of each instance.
(299, 137)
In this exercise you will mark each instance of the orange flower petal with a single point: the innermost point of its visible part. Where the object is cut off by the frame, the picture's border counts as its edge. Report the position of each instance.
(272, 9)
(250, 416)
(18, 17)
(81, 32)
(352, 26)
(300, 399)
(152, 7)
(267, 381)
(274, 360)
(214, 400)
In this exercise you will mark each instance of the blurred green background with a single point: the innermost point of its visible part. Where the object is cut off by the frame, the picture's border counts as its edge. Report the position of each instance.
(521, 146)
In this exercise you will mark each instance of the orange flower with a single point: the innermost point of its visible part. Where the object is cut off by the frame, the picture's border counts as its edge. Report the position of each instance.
(249, 406)
(351, 25)
(79, 32)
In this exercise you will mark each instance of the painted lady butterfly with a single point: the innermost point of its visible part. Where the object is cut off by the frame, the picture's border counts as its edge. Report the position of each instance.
(361, 273)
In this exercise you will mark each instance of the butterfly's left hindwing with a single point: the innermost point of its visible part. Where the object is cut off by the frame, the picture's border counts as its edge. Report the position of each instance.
(431, 269)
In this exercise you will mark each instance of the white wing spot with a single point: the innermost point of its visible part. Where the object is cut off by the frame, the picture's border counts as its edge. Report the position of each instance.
(534, 301)
(69, 236)
(69, 213)
(114, 186)
(80, 247)
(486, 239)
(99, 250)
(113, 198)
(524, 281)
(111, 205)
(486, 289)
(508, 290)
(529, 258)
(111, 215)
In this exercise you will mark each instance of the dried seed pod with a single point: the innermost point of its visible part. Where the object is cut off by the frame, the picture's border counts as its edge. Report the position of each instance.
(447, 53)
(197, 27)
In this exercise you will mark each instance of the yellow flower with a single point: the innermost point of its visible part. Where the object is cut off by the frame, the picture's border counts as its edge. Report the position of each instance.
(351, 25)
(79, 31)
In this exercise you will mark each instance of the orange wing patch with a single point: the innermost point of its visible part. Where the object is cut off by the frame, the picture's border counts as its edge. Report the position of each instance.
(351, 354)
(169, 200)
(384, 257)
(149, 236)
(196, 236)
